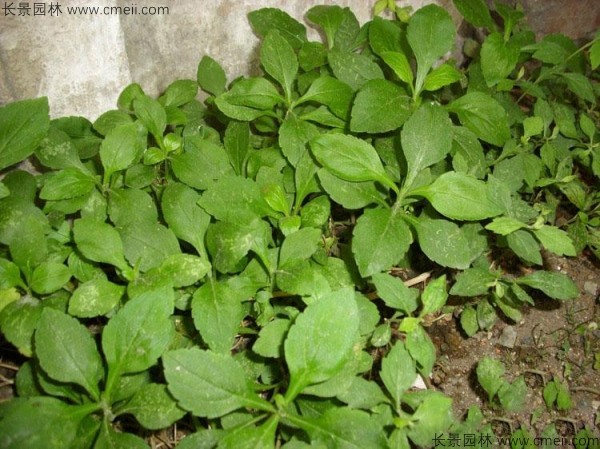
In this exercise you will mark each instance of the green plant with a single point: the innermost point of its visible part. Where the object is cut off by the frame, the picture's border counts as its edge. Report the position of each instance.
(237, 260)
(510, 395)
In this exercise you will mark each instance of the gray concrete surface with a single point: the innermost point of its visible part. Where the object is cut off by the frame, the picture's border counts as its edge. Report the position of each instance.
(82, 62)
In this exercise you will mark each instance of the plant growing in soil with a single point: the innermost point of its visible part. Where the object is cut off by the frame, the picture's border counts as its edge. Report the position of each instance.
(240, 266)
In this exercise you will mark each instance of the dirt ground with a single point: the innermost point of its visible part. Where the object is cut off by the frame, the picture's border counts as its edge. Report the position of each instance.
(554, 340)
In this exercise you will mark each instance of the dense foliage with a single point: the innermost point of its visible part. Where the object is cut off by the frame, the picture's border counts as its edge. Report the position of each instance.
(236, 264)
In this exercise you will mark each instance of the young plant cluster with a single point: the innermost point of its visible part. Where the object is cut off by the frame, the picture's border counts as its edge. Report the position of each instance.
(234, 264)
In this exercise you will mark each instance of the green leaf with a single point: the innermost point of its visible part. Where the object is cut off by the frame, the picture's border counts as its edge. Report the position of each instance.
(251, 437)
(95, 297)
(294, 134)
(67, 352)
(184, 269)
(120, 149)
(395, 294)
(476, 12)
(321, 340)
(555, 285)
(484, 116)
(400, 65)
(431, 34)
(505, 225)
(333, 93)
(460, 197)
(266, 19)
(128, 206)
(185, 218)
(498, 58)
(363, 394)
(217, 313)
(139, 333)
(473, 282)
(147, 244)
(201, 164)
(353, 69)
(248, 99)
(153, 407)
(434, 296)
(595, 54)
(379, 106)
(555, 240)
(441, 76)
(108, 438)
(489, 374)
(512, 396)
(328, 18)
(18, 321)
(432, 417)
(209, 384)
(384, 36)
(381, 238)
(563, 398)
(179, 92)
(31, 423)
(448, 244)
(228, 242)
(271, 337)
(237, 144)
(525, 246)
(468, 321)
(426, 138)
(234, 199)
(299, 245)
(344, 428)
(580, 85)
(23, 125)
(49, 277)
(421, 349)
(57, 151)
(210, 76)
(279, 60)
(151, 114)
(349, 158)
(398, 372)
(351, 195)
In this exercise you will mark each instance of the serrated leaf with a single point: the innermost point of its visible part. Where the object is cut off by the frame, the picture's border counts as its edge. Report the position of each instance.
(67, 183)
(210, 76)
(279, 60)
(294, 134)
(23, 125)
(152, 115)
(331, 92)
(555, 285)
(395, 294)
(421, 349)
(433, 415)
(237, 144)
(185, 218)
(209, 384)
(299, 245)
(320, 341)
(120, 149)
(267, 19)
(430, 33)
(271, 337)
(381, 238)
(400, 65)
(18, 321)
(329, 18)
(179, 92)
(49, 277)
(473, 282)
(66, 351)
(349, 158)
(344, 428)
(476, 12)
(217, 313)
(353, 69)
(468, 321)
(489, 375)
(441, 76)
(108, 438)
(139, 333)
(484, 116)
(512, 396)
(555, 240)
(434, 296)
(248, 99)
(498, 58)
(147, 244)
(505, 225)
(95, 297)
(426, 138)
(153, 407)
(461, 197)
(351, 195)
(363, 394)
(379, 106)
(250, 437)
(595, 55)
(580, 85)
(525, 246)
(398, 372)
(31, 423)
(201, 164)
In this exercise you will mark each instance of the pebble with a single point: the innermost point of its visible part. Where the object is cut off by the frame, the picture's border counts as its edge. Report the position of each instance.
(508, 337)
(591, 288)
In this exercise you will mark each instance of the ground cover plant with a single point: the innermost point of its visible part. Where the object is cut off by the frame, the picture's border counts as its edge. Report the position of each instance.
(241, 266)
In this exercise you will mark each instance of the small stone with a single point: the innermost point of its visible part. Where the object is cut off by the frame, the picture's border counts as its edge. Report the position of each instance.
(591, 288)
(508, 337)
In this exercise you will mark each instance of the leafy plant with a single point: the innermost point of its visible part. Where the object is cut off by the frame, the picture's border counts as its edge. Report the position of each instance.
(238, 260)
